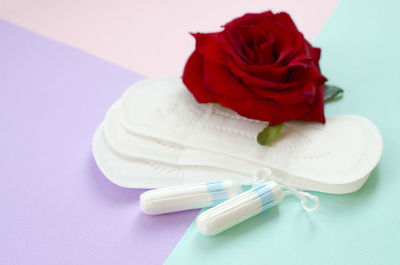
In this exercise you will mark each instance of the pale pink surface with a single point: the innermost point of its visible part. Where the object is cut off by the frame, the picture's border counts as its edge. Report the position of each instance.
(148, 37)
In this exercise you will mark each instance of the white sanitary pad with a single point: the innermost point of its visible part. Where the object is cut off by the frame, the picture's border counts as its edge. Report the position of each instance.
(157, 135)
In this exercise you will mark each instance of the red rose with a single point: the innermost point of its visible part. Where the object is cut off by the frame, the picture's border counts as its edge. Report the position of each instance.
(261, 66)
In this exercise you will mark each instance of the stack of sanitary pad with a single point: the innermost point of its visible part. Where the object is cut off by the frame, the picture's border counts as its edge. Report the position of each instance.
(158, 135)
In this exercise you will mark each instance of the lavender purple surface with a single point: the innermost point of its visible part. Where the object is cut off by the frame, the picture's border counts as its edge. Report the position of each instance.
(56, 207)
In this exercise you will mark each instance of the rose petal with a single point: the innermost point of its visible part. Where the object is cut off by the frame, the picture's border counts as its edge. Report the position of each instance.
(302, 93)
(253, 80)
(193, 79)
(229, 92)
(218, 79)
(267, 50)
(285, 20)
(208, 46)
(261, 66)
(269, 110)
(300, 73)
(316, 113)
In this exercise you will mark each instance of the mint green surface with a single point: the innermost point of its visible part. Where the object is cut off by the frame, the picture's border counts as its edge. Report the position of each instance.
(361, 54)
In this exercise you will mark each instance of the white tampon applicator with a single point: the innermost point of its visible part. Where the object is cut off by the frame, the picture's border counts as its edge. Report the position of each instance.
(185, 197)
(247, 205)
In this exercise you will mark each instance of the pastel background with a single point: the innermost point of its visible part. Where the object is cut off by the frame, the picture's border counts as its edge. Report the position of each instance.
(62, 63)
(148, 37)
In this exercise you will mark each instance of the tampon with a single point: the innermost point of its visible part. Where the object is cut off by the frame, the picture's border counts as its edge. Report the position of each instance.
(239, 208)
(185, 197)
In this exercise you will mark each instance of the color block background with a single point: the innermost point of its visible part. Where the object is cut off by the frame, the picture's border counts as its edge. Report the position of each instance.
(148, 37)
(57, 208)
(55, 205)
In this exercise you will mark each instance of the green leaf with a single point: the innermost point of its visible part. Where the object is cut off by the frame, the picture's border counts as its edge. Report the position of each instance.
(269, 134)
(332, 93)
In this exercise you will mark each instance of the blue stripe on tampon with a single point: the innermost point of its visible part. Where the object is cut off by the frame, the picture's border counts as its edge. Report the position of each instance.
(266, 196)
(217, 191)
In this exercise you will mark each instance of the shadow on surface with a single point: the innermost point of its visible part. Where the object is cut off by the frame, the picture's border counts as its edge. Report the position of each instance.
(106, 188)
(348, 202)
